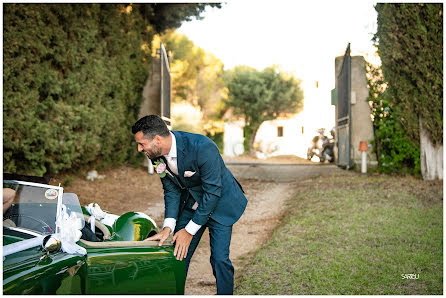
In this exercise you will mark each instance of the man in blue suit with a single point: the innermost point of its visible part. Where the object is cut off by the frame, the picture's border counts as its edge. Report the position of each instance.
(199, 192)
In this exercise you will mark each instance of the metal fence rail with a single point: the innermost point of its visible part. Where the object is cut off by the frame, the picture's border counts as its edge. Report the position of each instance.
(165, 94)
(344, 112)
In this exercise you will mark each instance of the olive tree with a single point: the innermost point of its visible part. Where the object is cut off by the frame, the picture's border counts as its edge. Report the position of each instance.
(260, 96)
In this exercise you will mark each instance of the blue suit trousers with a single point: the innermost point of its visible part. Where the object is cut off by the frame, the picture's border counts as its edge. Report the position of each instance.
(220, 240)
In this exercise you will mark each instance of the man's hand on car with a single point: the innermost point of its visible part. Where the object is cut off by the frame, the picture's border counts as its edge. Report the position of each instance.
(182, 241)
(161, 236)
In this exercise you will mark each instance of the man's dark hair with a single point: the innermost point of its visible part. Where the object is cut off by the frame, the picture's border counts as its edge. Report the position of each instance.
(151, 126)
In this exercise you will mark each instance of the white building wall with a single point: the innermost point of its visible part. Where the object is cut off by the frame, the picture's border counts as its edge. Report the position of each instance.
(293, 141)
(233, 138)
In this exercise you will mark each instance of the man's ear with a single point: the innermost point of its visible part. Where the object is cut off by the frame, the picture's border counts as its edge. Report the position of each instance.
(157, 139)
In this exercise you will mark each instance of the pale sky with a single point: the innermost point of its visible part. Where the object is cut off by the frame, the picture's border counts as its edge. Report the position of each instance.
(302, 37)
(295, 34)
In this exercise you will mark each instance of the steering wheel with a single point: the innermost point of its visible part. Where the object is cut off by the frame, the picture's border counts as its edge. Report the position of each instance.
(41, 227)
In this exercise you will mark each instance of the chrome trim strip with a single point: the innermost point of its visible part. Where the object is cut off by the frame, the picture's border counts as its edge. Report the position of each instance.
(32, 184)
(25, 231)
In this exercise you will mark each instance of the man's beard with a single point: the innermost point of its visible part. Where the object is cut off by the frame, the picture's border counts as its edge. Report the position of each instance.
(156, 152)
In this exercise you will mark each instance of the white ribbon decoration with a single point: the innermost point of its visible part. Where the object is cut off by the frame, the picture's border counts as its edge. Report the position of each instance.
(22, 245)
(69, 233)
(104, 217)
(92, 222)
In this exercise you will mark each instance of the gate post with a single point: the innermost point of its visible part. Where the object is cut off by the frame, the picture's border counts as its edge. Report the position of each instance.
(152, 91)
(361, 127)
(157, 91)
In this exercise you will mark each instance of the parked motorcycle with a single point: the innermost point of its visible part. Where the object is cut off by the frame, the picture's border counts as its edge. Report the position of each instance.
(322, 146)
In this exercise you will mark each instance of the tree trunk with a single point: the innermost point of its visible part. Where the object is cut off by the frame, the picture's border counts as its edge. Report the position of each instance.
(431, 156)
(254, 129)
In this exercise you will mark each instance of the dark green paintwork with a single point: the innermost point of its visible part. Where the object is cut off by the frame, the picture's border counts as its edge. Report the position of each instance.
(133, 226)
(25, 273)
(122, 265)
(121, 269)
(134, 270)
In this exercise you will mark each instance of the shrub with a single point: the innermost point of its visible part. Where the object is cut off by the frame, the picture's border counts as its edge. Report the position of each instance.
(73, 76)
(395, 153)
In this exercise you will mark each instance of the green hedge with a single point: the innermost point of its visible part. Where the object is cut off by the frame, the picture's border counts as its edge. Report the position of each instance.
(394, 151)
(73, 76)
(410, 43)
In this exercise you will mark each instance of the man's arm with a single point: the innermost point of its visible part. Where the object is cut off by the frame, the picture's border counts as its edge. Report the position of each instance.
(210, 170)
(8, 198)
(172, 196)
(209, 162)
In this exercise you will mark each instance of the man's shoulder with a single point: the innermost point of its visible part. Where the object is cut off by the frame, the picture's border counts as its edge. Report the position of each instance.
(191, 137)
(192, 140)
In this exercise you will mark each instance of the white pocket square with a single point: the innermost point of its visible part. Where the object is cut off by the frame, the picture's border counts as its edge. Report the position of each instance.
(188, 174)
(195, 206)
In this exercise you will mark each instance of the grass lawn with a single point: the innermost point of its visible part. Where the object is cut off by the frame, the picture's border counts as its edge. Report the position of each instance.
(355, 235)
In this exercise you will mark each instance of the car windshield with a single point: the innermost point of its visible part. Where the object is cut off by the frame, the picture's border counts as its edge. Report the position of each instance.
(35, 206)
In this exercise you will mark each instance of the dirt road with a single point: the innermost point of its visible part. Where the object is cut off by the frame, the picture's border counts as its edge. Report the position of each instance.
(268, 187)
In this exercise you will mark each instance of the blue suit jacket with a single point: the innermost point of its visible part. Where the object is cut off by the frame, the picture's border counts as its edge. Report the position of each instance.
(213, 187)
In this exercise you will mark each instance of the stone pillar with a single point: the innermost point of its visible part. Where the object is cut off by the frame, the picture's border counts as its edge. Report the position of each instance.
(361, 123)
(151, 93)
(152, 103)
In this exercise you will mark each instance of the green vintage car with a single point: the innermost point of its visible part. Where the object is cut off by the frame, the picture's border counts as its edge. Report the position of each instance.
(48, 248)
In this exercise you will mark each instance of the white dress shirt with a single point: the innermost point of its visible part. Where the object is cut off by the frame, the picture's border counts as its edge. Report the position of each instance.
(192, 228)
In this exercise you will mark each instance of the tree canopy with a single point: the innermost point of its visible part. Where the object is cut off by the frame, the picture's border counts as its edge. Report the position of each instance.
(164, 16)
(259, 96)
(197, 76)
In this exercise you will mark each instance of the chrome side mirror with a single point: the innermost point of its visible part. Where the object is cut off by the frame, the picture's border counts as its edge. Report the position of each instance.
(51, 244)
